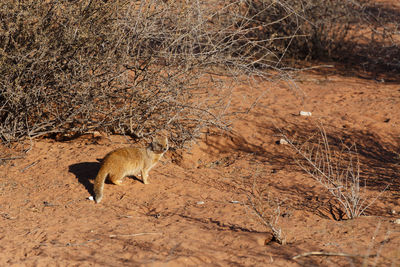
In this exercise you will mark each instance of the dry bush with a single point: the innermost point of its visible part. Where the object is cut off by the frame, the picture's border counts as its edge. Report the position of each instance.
(360, 33)
(139, 67)
(69, 67)
(122, 66)
(337, 170)
(126, 67)
(267, 209)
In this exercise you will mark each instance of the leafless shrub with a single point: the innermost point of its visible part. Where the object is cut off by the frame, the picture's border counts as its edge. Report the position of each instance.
(126, 67)
(267, 209)
(139, 67)
(337, 171)
(73, 67)
(360, 33)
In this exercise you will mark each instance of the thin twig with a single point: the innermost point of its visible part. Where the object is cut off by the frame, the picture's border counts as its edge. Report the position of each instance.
(321, 253)
(276, 232)
(30, 165)
(130, 235)
(81, 244)
(11, 158)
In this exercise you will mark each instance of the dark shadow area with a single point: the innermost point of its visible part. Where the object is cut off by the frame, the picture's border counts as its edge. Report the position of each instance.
(239, 145)
(210, 223)
(353, 52)
(378, 160)
(84, 172)
(382, 13)
(371, 62)
(373, 58)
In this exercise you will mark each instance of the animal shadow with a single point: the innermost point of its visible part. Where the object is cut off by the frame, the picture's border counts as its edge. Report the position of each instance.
(84, 172)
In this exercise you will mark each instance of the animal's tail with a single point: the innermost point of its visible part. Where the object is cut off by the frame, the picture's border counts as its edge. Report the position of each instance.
(99, 184)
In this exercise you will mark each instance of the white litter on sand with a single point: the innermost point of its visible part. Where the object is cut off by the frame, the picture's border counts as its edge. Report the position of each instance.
(305, 113)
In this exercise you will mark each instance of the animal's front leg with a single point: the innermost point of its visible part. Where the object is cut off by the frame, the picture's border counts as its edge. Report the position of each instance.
(145, 175)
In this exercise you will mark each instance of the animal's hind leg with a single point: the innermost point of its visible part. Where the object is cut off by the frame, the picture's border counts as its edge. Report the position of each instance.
(116, 178)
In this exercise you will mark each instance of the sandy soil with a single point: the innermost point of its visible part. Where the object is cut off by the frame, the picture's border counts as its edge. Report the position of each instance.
(196, 209)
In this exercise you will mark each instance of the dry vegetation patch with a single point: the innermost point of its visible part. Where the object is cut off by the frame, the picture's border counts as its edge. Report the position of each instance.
(134, 68)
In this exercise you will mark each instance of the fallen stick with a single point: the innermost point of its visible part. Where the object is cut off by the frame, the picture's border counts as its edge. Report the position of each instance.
(80, 244)
(11, 158)
(319, 253)
(30, 165)
(138, 234)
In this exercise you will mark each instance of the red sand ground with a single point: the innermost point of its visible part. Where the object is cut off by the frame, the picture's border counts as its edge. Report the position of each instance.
(195, 211)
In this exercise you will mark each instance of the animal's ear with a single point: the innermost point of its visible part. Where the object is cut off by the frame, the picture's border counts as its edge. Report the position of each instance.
(155, 140)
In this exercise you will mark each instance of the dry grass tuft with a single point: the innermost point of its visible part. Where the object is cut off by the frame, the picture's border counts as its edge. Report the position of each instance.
(337, 170)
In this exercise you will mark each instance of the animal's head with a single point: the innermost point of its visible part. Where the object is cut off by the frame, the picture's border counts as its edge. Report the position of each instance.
(159, 145)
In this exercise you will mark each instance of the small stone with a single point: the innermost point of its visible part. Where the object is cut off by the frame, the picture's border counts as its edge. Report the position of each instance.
(397, 221)
(283, 141)
(200, 203)
(393, 212)
(305, 113)
(96, 134)
(91, 198)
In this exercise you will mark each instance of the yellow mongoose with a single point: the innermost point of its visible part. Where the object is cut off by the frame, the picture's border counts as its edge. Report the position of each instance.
(128, 161)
